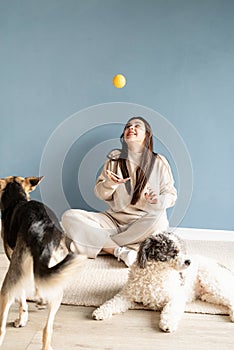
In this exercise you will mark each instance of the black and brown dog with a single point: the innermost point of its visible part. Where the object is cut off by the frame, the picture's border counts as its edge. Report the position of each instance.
(36, 247)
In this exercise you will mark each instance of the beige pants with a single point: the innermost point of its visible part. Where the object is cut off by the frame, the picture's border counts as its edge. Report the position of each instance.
(92, 231)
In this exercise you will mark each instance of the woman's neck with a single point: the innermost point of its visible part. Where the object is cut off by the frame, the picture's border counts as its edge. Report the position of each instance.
(135, 147)
(134, 157)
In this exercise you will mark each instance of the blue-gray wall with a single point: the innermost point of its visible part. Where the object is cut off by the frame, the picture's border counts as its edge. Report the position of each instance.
(59, 56)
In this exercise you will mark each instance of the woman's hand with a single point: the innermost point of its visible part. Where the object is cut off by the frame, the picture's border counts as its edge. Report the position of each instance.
(151, 196)
(116, 178)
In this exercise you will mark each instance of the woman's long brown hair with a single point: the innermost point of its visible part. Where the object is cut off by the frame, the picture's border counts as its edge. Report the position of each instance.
(143, 171)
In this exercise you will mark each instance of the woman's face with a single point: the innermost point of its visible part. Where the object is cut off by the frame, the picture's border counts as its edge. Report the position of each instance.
(135, 132)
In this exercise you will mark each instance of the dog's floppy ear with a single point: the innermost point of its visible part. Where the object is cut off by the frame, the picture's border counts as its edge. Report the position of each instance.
(30, 183)
(2, 184)
(143, 253)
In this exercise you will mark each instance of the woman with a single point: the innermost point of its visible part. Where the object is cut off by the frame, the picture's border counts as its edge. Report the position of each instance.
(138, 187)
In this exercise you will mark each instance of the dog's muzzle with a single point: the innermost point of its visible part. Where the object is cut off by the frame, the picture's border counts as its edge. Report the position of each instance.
(187, 262)
(183, 262)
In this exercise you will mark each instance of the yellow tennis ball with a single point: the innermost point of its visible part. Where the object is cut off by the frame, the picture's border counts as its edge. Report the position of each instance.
(119, 81)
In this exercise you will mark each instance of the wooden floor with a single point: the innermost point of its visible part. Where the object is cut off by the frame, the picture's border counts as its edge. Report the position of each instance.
(136, 329)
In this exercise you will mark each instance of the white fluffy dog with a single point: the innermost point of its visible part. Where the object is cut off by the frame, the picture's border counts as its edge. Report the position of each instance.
(164, 278)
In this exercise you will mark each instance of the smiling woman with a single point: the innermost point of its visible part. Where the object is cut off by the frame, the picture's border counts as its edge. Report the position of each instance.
(134, 134)
(138, 186)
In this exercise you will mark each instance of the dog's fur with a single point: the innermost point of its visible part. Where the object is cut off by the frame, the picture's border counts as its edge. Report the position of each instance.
(36, 247)
(164, 278)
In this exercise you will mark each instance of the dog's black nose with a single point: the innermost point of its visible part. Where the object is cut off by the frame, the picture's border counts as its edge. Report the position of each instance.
(187, 262)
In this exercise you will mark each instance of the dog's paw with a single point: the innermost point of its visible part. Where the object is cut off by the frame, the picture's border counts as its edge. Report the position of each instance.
(167, 327)
(101, 314)
(18, 323)
(21, 322)
(40, 303)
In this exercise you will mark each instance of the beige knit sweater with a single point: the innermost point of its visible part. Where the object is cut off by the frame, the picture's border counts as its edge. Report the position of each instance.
(119, 201)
